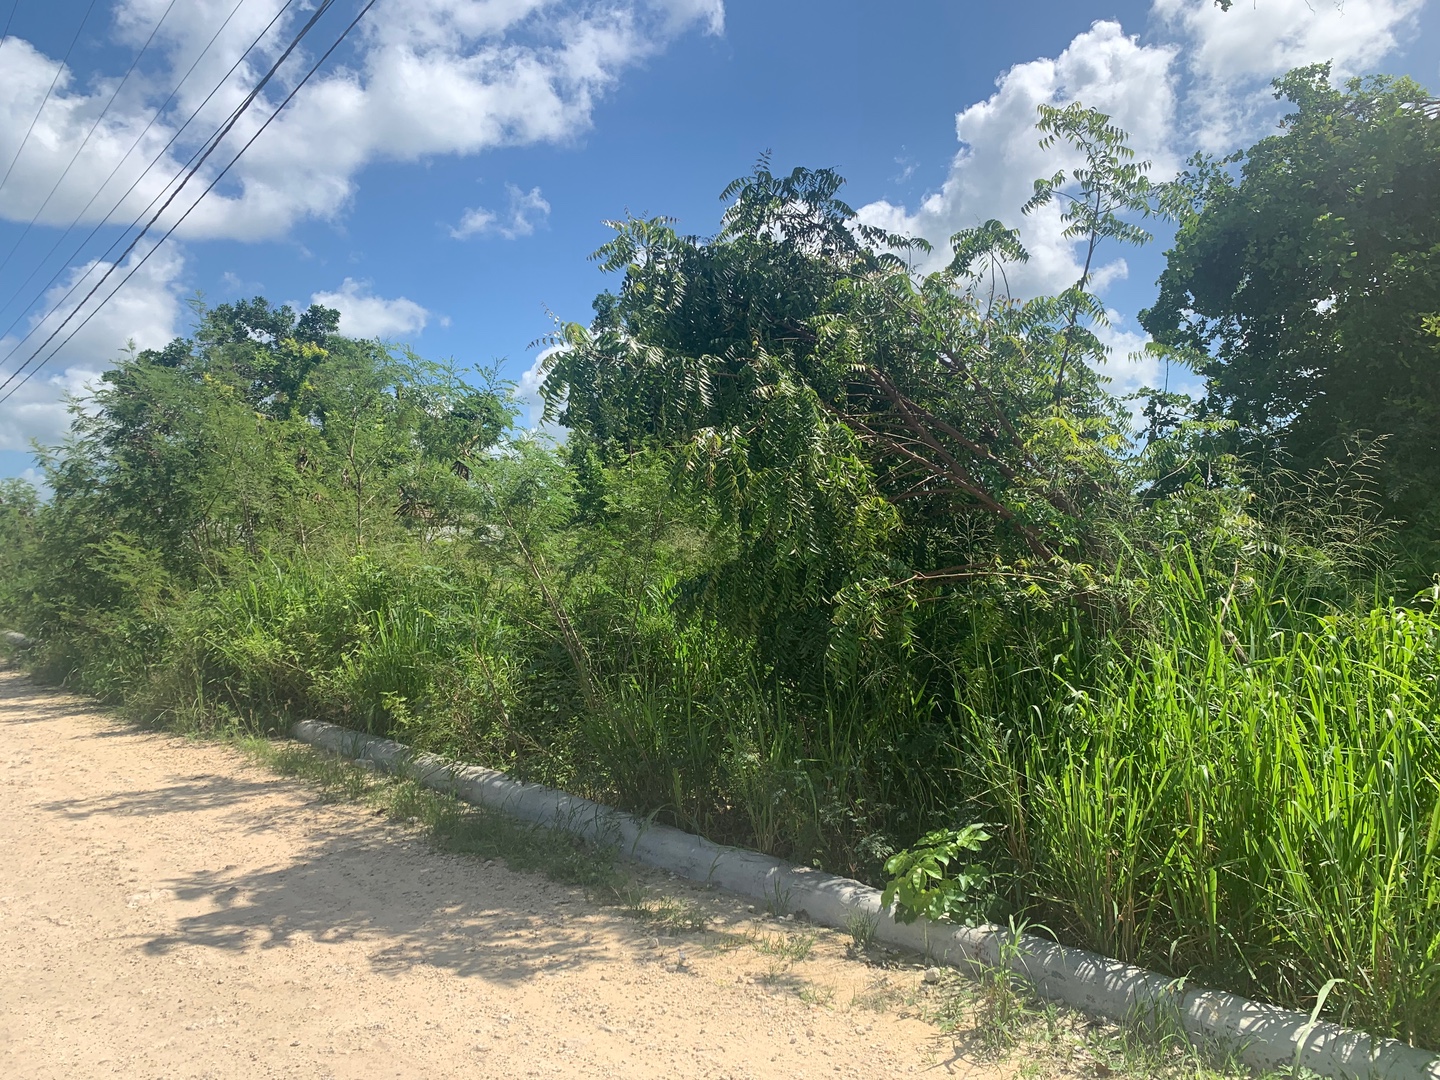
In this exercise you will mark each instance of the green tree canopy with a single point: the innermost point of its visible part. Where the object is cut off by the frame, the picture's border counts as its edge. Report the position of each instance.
(267, 429)
(1303, 284)
(860, 429)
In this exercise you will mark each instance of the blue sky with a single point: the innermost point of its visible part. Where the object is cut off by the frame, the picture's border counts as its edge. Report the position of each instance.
(443, 181)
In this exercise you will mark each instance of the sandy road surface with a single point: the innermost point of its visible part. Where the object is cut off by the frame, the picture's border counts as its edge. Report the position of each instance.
(168, 910)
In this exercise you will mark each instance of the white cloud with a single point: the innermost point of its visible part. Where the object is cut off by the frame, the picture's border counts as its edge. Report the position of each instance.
(365, 315)
(525, 210)
(1261, 40)
(429, 77)
(1129, 367)
(146, 312)
(234, 285)
(532, 405)
(1207, 85)
(1232, 55)
(1229, 57)
(472, 223)
(1000, 156)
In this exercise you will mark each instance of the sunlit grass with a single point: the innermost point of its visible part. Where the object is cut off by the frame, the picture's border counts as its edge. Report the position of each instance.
(1263, 813)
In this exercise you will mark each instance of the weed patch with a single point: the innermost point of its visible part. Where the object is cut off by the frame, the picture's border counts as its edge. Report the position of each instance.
(791, 948)
(662, 914)
(861, 926)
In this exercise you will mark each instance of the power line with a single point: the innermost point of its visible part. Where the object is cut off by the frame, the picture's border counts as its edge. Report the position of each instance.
(144, 172)
(5, 34)
(196, 161)
(59, 70)
(126, 194)
(86, 141)
(210, 187)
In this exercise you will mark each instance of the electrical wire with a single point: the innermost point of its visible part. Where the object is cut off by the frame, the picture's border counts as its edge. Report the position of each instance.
(196, 161)
(86, 141)
(210, 187)
(144, 173)
(60, 303)
(59, 70)
(5, 34)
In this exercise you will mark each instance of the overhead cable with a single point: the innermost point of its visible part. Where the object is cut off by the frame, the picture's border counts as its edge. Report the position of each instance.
(59, 70)
(70, 259)
(86, 141)
(10, 392)
(189, 169)
(5, 34)
(197, 161)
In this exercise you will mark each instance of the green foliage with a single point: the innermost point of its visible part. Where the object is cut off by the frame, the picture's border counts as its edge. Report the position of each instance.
(924, 884)
(19, 511)
(1109, 190)
(861, 926)
(791, 948)
(1301, 286)
(699, 357)
(858, 436)
(1006, 997)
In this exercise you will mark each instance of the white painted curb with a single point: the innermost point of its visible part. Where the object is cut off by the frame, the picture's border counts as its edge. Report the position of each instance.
(1262, 1036)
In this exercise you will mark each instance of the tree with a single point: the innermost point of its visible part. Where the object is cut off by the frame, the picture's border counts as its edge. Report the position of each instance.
(1111, 189)
(860, 431)
(268, 430)
(1303, 285)
(708, 354)
(19, 510)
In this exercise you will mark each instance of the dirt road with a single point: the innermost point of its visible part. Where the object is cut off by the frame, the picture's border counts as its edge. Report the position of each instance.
(168, 910)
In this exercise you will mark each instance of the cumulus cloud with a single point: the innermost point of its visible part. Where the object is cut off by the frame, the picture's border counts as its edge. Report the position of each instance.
(532, 405)
(1130, 367)
(1205, 81)
(1257, 41)
(365, 315)
(145, 313)
(525, 210)
(431, 77)
(1000, 156)
(472, 223)
(1232, 55)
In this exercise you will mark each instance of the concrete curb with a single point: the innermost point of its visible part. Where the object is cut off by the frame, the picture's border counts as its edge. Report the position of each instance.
(1262, 1036)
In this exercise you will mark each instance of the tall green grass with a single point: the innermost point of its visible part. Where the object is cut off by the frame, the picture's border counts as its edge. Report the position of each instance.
(1252, 797)
(1231, 778)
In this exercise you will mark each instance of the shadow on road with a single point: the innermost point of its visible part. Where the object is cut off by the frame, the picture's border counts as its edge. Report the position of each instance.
(431, 909)
(330, 878)
(192, 796)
